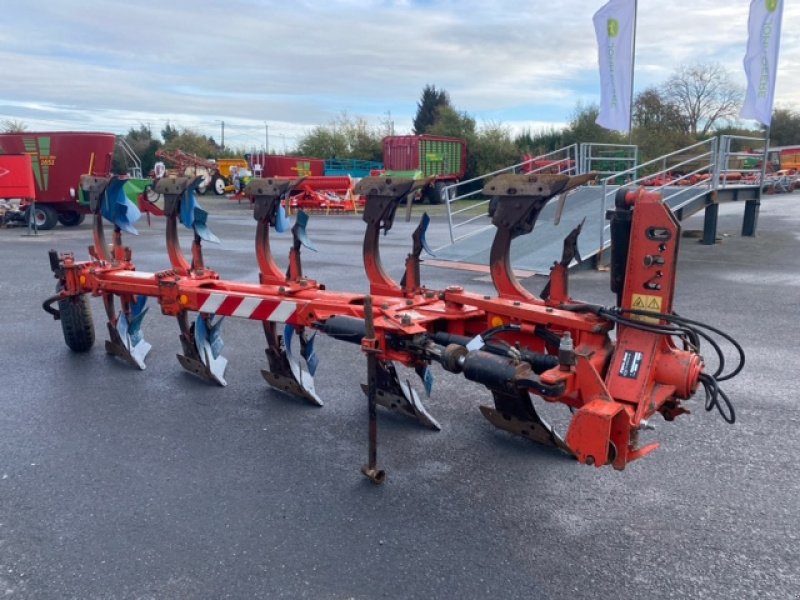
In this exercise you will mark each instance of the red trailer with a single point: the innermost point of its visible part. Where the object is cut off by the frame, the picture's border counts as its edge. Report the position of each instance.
(58, 160)
(274, 165)
(443, 158)
(16, 176)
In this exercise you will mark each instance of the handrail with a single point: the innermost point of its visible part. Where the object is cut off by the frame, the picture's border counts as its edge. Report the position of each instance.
(727, 154)
(656, 160)
(136, 169)
(711, 166)
(702, 167)
(567, 155)
(588, 158)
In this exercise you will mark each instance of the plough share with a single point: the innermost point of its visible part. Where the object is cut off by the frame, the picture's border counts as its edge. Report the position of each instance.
(615, 368)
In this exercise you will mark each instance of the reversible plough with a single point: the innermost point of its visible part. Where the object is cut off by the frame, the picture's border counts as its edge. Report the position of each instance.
(615, 368)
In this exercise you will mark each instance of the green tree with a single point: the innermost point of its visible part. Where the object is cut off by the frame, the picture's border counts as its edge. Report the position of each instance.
(428, 107)
(785, 127)
(658, 125)
(540, 142)
(344, 137)
(652, 111)
(453, 123)
(493, 148)
(169, 133)
(364, 141)
(189, 141)
(323, 141)
(583, 128)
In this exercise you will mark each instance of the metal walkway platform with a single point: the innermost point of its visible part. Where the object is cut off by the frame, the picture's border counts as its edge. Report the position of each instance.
(538, 250)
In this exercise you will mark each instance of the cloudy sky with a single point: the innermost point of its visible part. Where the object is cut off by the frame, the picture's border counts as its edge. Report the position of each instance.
(112, 64)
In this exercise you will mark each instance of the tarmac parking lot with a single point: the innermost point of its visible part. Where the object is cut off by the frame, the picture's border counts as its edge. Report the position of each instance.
(121, 484)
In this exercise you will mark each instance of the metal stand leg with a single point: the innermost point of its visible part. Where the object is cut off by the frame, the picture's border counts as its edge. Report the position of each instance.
(371, 470)
(750, 221)
(710, 224)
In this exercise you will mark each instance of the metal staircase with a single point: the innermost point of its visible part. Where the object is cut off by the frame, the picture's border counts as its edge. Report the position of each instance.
(698, 177)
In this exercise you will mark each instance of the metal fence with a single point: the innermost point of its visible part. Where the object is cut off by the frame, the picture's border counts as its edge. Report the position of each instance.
(608, 159)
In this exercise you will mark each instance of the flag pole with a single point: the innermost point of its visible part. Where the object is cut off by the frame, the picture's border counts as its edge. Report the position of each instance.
(764, 159)
(633, 62)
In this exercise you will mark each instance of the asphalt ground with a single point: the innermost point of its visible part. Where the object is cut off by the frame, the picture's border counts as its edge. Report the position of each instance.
(121, 484)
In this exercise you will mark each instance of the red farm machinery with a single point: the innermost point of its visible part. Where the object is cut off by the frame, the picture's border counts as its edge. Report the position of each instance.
(184, 164)
(441, 160)
(328, 194)
(58, 160)
(615, 367)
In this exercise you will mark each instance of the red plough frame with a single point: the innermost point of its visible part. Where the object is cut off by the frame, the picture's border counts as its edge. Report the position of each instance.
(518, 345)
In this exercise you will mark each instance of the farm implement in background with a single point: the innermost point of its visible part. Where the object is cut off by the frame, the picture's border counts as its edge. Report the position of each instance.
(58, 159)
(221, 176)
(326, 194)
(518, 345)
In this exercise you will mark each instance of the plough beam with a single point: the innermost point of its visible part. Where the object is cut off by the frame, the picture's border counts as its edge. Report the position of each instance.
(520, 200)
(96, 187)
(384, 194)
(267, 195)
(175, 190)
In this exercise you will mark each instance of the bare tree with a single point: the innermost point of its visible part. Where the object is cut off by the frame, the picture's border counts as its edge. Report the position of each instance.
(704, 94)
(12, 126)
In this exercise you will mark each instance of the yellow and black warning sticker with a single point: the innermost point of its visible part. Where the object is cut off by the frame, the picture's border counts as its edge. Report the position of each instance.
(648, 303)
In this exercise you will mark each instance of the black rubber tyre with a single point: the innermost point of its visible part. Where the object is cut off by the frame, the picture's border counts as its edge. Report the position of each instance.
(218, 185)
(45, 217)
(77, 323)
(434, 192)
(71, 219)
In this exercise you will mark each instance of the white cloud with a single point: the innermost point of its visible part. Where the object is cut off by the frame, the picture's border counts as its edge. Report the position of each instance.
(96, 64)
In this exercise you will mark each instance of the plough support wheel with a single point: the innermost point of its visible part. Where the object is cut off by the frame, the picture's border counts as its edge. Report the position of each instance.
(76, 323)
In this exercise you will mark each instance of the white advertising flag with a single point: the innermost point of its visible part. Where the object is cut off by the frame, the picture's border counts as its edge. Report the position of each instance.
(761, 59)
(614, 24)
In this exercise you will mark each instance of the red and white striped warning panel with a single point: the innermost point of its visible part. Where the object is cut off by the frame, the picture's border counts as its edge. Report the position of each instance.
(246, 307)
